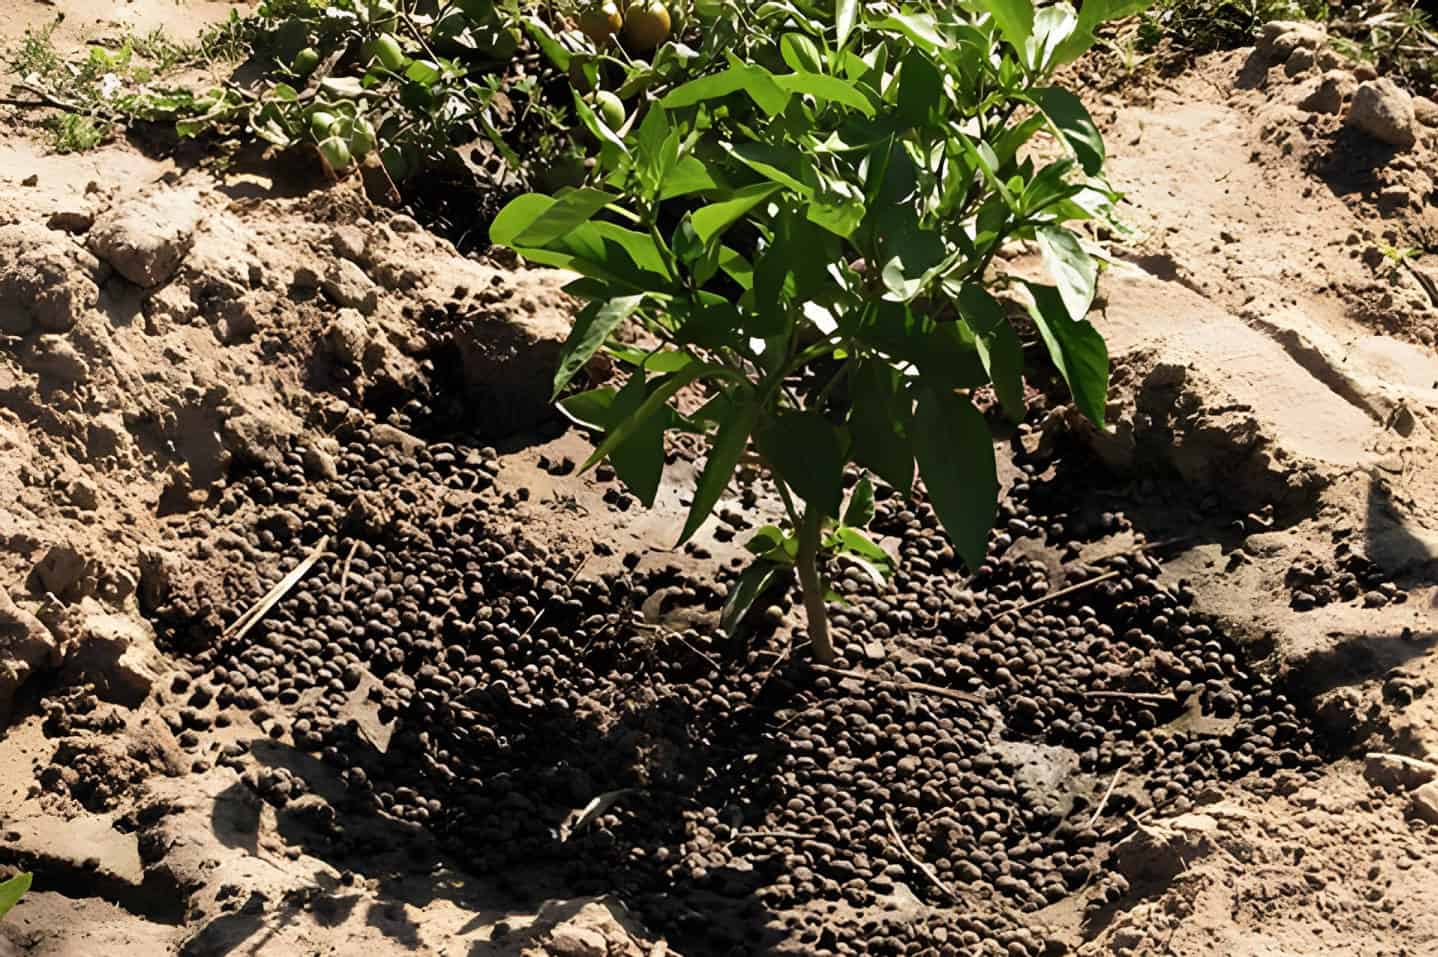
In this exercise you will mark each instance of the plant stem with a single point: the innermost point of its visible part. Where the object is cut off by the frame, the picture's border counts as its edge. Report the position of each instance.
(808, 566)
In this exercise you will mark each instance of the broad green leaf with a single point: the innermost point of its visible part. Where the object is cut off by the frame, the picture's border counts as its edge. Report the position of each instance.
(766, 540)
(1053, 25)
(880, 420)
(423, 71)
(596, 126)
(754, 582)
(846, 15)
(955, 453)
(549, 221)
(823, 87)
(754, 80)
(999, 348)
(806, 453)
(1073, 121)
(1077, 350)
(657, 399)
(1092, 13)
(639, 459)
(860, 509)
(852, 540)
(729, 445)
(921, 92)
(713, 219)
(591, 328)
(12, 890)
(1070, 266)
(784, 165)
(689, 175)
(919, 27)
(1014, 18)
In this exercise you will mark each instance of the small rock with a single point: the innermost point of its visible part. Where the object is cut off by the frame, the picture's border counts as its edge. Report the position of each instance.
(159, 572)
(1425, 111)
(305, 278)
(1279, 38)
(54, 358)
(32, 180)
(577, 942)
(147, 238)
(1330, 59)
(76, 220)
(1299, 61)
(46, 280)
(347, 336)
(1425, 803)
(1331, 90)
(874, 651)
(26, 646)
(83, 495)
(1384, 111)
(388, 435)
(1397, 772)
(348, 285)
(117, 655)
(320, 464)
(63, 572)
(349, 242)
(401, 223)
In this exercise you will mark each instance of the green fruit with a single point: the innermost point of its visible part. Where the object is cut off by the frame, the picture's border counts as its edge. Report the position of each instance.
(361, 138)
(320, 123)
(305, 61)
(610, 109)
(600, 22)
(336, 153)
(646, 25)
(386, 50)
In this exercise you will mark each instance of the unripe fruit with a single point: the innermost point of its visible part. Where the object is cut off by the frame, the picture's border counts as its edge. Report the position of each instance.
(646, 25)
(305, 61)
(336, 153)
(386, 49)
(320, 123)
(600, 22)
(610, 109)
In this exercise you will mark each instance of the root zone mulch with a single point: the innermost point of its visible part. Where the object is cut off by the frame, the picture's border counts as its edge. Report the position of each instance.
(972, 759)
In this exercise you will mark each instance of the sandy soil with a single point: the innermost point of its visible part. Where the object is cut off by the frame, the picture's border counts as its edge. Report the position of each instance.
(231, 376)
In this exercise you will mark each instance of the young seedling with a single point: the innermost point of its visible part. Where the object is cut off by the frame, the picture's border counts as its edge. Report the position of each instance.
(804, 229)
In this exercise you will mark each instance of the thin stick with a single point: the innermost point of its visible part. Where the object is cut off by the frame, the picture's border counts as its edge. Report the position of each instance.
(949, 693)
(345, 574)
(1134, 695)
(245, 622)
(1062, 592)
(1106, 795)
(924, 869)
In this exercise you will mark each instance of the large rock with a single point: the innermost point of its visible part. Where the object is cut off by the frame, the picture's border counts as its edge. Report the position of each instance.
(1279, 38)
(1425, 803)
(46, 280)
(1329, 92)
(347, 284)
(117, 655)
(26, 647)
(1384, 110)
(147, 238)
(1397, 772)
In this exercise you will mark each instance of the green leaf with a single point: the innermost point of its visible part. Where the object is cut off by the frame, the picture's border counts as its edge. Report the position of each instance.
(921, 91)
(425, 72)
(779, 164)
(855, 542)
(805, 452)
(689, 175)
(880, 421)
(1073, 121)
(846, 15)
(713, 219)
(753, 583)
(1053, 25)
(1071, 267)
(860, 510)
(657, 399)
(12, 890)
(999, 348)
(1076, 348)
(766, 539)
(639, 459)
(591, 328)
(956, 459)
(1091, 14)
(729, 445)
(919, 27)
(536, 220)
(823, 87)
(754, 80)
(1014, 18)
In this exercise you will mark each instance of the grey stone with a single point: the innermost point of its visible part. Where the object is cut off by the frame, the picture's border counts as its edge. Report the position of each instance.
(1384, 111)
(1299, 61)
(347, 336)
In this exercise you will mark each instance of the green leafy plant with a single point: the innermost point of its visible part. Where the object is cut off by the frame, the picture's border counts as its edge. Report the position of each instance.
(1398, 37)
(802, 224)
(1201, 26)
(12, 890)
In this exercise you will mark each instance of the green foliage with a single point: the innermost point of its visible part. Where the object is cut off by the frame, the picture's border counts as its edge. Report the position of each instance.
(1399, 37)
(1201, 26)
(74, 132)
(12, 890)
(802, 221)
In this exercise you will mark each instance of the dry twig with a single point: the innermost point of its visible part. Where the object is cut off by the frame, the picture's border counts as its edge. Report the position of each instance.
(249, 619)
(923, 868)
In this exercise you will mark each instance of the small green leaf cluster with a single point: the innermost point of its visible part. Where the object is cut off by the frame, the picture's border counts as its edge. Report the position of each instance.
(804, 230)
